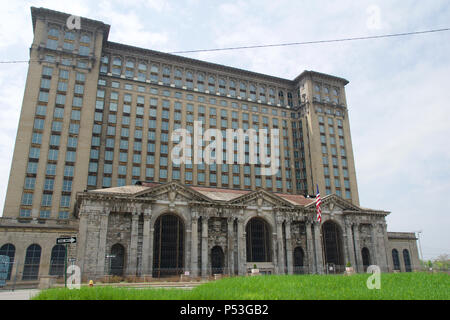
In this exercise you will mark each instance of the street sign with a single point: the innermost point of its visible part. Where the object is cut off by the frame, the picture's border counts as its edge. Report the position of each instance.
(66, 240)
(109, 256)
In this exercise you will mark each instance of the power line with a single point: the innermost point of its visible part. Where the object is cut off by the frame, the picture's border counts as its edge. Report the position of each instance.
(288, 44)
(315, 42)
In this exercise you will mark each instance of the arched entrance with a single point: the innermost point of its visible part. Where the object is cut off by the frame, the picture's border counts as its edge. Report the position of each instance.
(168, 244)
(365, 258)
(57, 260)
(32, 262)
(395, 259)
(332, 246)
(258, 241)
(10, 251)
(298, 260)
(407, 260)
(117, 260)
(217, 260)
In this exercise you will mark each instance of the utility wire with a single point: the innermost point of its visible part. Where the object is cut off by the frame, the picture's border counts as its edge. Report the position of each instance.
(289, 44)
(316, 41)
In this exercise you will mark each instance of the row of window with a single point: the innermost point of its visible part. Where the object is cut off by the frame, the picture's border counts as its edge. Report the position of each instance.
(127, 98)
(33, 259)
(68, 41)
(54, 145)
(208, 84)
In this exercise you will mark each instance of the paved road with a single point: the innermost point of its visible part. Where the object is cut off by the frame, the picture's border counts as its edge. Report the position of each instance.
(25, 294)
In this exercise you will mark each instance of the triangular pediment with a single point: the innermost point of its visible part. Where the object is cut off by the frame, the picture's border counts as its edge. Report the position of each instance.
(261, 198)
(172, 191)
(335, 204)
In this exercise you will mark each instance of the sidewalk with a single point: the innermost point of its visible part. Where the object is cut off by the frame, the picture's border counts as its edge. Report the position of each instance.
(24, 294)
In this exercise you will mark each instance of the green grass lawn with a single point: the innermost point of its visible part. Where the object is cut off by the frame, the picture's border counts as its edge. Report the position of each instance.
(399, 286)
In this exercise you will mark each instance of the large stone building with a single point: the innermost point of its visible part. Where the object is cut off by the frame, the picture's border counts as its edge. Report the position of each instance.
(96, 120)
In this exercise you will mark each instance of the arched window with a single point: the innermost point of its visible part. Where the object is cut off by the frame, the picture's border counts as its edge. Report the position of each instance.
(298, 260)
(217, 260)
(365, 258)
(57, 260)
(32, 261)
(395, 259)
(168, 245)
(258, 241)
(281, 97)
(10, 251)
(407, 260)
(117, 260)
(332, 245)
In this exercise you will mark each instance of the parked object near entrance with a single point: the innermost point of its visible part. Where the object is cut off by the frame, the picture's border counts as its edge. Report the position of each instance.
(349, 269)
(255, 271)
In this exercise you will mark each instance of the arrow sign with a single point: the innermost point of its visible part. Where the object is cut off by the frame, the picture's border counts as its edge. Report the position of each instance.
(66, 240)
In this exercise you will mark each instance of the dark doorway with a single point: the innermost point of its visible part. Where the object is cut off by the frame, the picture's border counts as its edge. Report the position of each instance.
(217, 260)
(118, 259)
(10, 251)
(407, 260)
(331, 237)
(258, 240)
(57, 260)
(168, 246)
(32, 261)
(298, 261)
(365, 258)
(395, 259)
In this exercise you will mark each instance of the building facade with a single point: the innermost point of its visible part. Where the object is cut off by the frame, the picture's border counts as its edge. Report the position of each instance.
(98, 116)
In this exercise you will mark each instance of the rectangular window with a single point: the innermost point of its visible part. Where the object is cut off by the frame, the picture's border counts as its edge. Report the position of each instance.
(46, 200)
(65, 201)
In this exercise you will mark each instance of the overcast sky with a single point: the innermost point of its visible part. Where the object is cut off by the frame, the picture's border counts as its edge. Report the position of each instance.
(398, 96)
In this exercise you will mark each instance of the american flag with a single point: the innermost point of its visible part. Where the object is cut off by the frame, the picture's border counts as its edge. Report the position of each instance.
(318, 202)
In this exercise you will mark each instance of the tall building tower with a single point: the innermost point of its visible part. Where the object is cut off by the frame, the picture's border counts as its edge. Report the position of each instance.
(99, 114)
(325, 146)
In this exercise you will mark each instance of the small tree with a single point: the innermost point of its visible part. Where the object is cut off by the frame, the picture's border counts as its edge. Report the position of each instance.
(348, 264)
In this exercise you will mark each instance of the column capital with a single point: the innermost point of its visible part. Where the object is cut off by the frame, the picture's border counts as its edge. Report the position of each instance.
(104, 213)
(147, 216)
(279, 218)
(135, 215)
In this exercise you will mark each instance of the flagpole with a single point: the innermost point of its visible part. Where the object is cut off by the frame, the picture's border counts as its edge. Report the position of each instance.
(319, 221)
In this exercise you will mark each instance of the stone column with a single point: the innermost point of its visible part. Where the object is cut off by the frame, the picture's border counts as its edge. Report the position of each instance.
(350, 246)
(383, 250)
(101, 254)
(280, 244)
(242, 256)
(275, 252)
(319, 248)
(230, 250)
(150, 247)
(146, 249)
(374, 257)
(359, 264)
(81, 241)
(289, 257)
(132, 256)
(310, 249)
(194, 244)
(205, 249)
